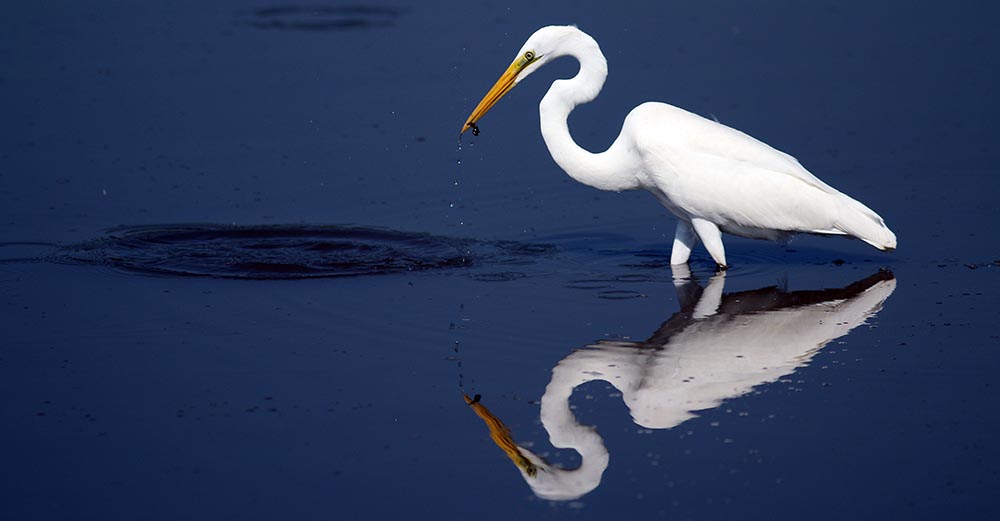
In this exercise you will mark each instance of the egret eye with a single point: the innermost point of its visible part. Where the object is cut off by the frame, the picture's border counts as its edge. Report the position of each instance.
(529, 56)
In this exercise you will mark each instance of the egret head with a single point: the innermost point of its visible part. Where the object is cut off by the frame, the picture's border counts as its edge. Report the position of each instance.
(542, 47)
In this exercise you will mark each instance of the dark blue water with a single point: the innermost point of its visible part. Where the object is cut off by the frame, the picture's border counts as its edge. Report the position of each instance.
(247, 273)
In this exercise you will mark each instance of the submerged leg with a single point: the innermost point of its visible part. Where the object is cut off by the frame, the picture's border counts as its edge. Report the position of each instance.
(683, 242)
(711, 237)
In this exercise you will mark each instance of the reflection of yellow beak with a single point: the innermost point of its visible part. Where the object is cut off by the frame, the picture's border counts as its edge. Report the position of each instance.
(501, 87)
(501, 435)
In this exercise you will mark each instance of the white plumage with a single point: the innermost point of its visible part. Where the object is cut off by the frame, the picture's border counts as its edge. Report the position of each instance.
(712, 177)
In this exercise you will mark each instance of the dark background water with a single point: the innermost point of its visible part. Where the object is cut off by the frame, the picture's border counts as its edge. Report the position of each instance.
(161, 397)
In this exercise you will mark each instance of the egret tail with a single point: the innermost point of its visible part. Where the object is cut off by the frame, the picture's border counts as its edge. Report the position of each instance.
(860, 221)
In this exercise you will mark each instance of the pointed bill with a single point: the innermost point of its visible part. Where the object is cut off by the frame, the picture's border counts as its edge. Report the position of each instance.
(501, 87)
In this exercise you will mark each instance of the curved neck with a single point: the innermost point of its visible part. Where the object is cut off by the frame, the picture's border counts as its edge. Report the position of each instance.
(610, 170)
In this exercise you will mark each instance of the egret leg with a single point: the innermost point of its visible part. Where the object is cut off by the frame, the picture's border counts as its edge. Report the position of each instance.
(711, 237)
(684, 239)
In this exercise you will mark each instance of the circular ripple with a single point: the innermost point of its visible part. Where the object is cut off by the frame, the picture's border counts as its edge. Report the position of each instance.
(268, 252)
(588, 284)
(634, 277)
(744, 261)
(503, 276)
(619, 294)
(321, 17)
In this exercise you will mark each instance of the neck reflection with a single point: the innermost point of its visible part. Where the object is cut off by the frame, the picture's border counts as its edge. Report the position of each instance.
(718, 346)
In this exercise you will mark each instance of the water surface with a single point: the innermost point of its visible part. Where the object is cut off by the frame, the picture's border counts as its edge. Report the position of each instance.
(239, 278)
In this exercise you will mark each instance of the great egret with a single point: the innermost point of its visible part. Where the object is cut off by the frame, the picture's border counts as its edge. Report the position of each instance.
(712, 177)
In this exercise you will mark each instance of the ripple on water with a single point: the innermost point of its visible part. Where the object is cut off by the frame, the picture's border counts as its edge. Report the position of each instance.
(619, 294)
(315, 251)
(589, 284)
(606, 284)
(320, 17)
(502, 276)
(745, 260)
(757, 262)
(268, 252)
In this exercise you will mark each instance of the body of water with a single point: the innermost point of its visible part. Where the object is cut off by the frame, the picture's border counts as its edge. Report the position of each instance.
(248, 272)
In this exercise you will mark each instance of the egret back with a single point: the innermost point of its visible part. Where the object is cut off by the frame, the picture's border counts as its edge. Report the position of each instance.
(701, 168)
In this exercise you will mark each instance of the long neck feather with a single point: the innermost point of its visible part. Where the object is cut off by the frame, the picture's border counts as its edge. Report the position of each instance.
(613, 169)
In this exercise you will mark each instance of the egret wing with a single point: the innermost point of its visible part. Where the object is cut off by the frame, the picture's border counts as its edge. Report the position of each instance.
(696, 134)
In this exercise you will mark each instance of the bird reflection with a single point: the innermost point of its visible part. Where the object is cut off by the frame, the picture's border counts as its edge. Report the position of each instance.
(718, 346)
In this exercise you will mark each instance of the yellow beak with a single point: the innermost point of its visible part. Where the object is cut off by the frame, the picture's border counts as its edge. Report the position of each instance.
(501, 87)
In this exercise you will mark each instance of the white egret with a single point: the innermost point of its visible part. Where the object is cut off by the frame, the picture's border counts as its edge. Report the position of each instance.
(712, 177)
